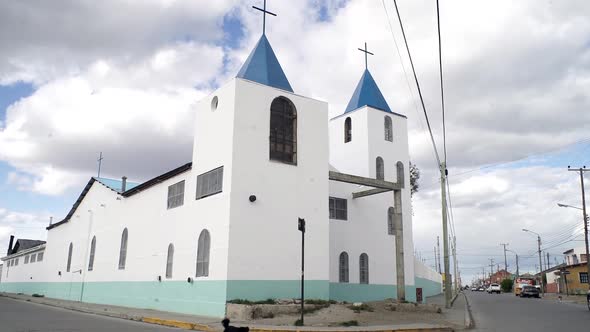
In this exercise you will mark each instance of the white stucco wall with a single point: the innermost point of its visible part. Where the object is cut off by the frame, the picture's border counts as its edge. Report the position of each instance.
(264, 241)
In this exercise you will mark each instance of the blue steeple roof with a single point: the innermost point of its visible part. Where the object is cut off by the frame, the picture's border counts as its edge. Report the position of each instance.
(367, 93)
(263, 67)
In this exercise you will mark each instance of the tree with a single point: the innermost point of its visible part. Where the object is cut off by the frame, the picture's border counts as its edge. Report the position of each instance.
(507, 285)
(414, 177)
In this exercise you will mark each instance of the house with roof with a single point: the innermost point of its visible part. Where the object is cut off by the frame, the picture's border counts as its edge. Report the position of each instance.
(267, 164)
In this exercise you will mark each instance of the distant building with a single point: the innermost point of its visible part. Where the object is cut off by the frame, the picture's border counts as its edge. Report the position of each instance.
(497, 277)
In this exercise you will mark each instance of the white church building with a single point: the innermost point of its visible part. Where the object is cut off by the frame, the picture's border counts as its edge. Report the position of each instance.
(225, 226)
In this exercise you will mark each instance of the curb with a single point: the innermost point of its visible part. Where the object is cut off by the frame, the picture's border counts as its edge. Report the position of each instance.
(469, 322)
(356, 329)
(176, 323)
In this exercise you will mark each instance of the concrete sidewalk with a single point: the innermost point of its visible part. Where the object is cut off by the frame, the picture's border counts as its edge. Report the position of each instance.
(203, 323)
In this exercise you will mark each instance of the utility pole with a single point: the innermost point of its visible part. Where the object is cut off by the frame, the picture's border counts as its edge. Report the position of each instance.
(99, 160)
(517, 272)
(505, 261)
(585, 216)
(443, 189)
(491, 269)
(301, 228)
(547, 261)
(455, 264)
(435, 260)
(540, 265)
(438, 253)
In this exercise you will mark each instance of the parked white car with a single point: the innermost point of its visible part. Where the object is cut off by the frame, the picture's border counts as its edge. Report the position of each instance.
(494, 288)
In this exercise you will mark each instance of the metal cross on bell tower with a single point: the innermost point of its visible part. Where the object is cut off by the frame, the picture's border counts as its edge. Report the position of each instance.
(264, 12)
(366, 53)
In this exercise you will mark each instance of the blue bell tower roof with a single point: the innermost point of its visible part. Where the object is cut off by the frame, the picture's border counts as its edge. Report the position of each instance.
(367, 93)
(263, 67)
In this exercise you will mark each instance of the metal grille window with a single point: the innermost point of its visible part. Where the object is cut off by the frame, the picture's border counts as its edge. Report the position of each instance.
(388, 129)
(347, 130)
(283, 131)
(70, 250)
(364, 268)
(390, 227)
(210, 183)
(379, 168)
(92, 253)
(338, 208)
(343, 267)
(176, 195)
(33, 258)
(584, 277)
(40, 257)
(203, 254)
(123, 250)
(169, 261)
(27, 259)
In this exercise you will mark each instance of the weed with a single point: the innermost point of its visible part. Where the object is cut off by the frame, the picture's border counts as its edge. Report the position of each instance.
(350, 323)
(362, 307)
(299, 322)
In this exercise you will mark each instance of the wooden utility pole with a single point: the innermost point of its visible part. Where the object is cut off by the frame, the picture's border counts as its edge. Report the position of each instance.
(455, 264)
(585, 216)
(491, 268)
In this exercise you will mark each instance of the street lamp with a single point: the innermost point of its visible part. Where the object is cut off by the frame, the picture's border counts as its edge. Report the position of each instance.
(540, 262)
(514, 252)
(585, 218)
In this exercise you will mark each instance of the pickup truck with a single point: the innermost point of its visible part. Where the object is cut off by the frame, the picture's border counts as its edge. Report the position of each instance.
(494, 288)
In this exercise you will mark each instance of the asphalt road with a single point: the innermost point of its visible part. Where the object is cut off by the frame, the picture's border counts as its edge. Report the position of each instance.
(19, 316)
(506, 312)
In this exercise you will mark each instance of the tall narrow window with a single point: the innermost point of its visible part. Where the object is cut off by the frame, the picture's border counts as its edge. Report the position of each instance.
(176, 195)
(92, 252)
(400, 172)
(388, 129)
(170, 261)
(380, 168)
(33, 258)
(210, 183)
(343, 267)
(364, 268)
(27, 259)
(390, 228)
(123, 250)
(203, 254)
(283, 131)
(40, 256)
(70, 249)
(347, 130)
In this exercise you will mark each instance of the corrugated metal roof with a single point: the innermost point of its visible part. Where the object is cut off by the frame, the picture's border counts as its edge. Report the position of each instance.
(263, 67)
(367, 93)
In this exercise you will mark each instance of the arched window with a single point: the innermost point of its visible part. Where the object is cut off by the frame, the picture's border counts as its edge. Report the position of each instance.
(92, 253)
(390, 226)
(400, 172)
(169, 260)
(203, 254)
(343, 267)
(70, 250)
(364, 268)
(123, 250)
(388, 129)
(380, 168)
(283, 131)
(347, 130)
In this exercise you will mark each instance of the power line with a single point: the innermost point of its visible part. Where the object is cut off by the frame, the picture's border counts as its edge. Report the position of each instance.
(417, 84)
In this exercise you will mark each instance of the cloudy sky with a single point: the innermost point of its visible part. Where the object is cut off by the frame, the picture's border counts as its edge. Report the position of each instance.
(120, 77)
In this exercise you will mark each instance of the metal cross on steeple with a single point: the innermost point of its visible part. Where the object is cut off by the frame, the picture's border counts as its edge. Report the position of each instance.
(264, 12)
(366, 53)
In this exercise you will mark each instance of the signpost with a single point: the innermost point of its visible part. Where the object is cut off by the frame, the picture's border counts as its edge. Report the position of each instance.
(301, 227)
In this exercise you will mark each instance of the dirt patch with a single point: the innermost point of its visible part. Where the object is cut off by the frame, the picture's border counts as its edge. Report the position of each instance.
(342, 314)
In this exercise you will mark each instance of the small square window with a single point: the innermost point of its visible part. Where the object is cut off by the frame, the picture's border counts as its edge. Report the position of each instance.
(338, 208)
(176, 195)
(584, 277)
(210, 183)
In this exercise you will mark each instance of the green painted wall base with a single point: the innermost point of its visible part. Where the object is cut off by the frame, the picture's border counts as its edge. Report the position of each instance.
(199, 298)
(209, 297)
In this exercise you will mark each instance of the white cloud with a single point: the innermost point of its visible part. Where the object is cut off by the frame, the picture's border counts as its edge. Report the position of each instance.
(23, 225)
